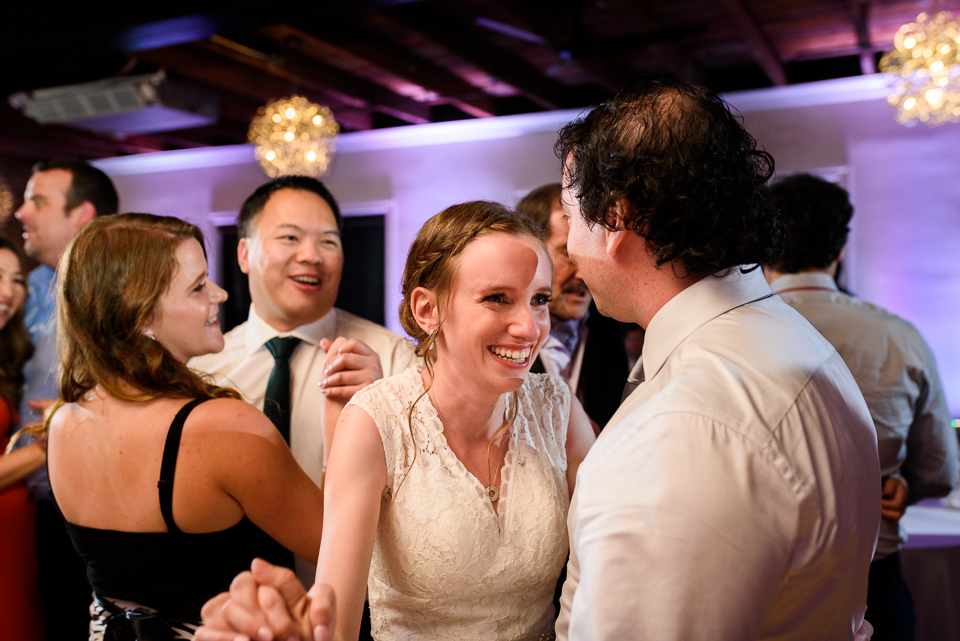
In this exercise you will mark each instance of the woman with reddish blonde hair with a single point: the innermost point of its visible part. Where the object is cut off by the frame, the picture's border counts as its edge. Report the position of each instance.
(135, 303)
(448, 485)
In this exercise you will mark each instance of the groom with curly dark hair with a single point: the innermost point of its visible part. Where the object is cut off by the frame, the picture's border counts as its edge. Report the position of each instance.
(734, 494)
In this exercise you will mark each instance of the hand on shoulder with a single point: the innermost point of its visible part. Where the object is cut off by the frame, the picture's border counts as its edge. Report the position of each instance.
(350, 366)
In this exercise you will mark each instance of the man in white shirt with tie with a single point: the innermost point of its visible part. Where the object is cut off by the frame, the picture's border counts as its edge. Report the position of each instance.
(290, 248)
(734, 495)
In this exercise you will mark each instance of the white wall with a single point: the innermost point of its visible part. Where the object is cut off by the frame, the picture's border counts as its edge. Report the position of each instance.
(903, 181)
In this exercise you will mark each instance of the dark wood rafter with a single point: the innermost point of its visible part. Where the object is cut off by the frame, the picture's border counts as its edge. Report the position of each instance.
(677, 60)
(436, 25)
(388, 63)
(860, 10)
(763, 52)
(244, 80)
(528, 19)
(346, 89)
(393, 60)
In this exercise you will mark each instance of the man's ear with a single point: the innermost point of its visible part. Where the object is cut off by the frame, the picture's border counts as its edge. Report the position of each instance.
(425, 308)
(82, 214)
(622, 211)
(243, 258)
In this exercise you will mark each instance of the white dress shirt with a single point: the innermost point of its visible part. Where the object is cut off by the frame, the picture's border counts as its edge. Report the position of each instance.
(897, 374)
(735, 494)
(245, 365)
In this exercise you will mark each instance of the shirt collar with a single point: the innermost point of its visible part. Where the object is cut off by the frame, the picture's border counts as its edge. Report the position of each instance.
(695, 306)
(259, 331)
(820, 280)
(43, 273)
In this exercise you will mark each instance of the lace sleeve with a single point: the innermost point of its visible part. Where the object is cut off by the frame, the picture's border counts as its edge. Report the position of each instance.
(387, 402)
(545, 398)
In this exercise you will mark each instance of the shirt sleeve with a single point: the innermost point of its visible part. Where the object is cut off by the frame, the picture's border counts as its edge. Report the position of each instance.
(931, 466)
(683, 531)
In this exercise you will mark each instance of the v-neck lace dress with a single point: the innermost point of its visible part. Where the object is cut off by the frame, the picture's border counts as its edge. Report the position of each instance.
(445, 564)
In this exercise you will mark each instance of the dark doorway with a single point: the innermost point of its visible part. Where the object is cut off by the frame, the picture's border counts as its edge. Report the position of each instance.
(361, 287)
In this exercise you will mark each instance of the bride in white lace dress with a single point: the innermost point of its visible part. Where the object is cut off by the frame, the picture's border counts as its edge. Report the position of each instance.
(448, 486)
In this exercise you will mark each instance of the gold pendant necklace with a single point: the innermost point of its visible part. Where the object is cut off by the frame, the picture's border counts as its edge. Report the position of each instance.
(492, 491)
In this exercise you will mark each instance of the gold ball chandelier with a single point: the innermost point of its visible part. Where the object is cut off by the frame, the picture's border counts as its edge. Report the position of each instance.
(927, 64)
(293, 136)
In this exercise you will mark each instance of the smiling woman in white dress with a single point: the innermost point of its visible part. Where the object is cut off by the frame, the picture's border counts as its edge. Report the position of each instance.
(448, 485)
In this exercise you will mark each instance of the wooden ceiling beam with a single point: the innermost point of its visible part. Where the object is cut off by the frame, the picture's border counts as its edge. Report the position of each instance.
(763, 52)
(860, 10)
(243, 80)
(349, 41)
(676, 59)
(532, 21)
(463, 41)
(349, 89)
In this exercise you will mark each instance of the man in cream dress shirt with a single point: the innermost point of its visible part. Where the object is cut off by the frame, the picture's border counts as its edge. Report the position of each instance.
(290, 248)
(734, 494)
(894, 368)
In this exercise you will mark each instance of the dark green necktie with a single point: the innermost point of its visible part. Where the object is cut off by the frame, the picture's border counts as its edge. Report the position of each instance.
(276, 402)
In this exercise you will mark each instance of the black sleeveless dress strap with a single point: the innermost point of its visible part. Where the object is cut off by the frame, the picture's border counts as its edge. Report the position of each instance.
(168, 464)
(171, 574)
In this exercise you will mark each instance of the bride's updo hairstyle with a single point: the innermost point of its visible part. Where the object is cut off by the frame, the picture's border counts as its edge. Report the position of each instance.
(432, 264)
(111, 279)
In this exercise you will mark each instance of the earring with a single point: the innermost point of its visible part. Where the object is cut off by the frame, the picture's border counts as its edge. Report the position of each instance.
(149, 334)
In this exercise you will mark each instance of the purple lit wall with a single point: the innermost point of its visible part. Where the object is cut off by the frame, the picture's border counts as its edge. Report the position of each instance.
(907, 236)
(904, 246)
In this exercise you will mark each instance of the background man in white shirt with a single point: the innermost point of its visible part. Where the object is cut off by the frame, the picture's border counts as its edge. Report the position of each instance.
(290, 248)
(734, 494)
(893, 366)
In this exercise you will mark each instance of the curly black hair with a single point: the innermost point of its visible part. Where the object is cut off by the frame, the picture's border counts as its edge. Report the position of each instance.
(694, 176)
(816, 217)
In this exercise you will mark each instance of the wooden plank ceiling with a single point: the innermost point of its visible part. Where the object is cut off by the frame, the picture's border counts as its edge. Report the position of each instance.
(392, 63)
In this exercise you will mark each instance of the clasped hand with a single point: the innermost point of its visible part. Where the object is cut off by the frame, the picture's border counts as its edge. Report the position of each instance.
(268, 603)
(350, 366)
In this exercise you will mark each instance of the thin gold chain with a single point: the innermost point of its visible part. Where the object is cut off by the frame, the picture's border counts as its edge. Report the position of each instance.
(493, 493)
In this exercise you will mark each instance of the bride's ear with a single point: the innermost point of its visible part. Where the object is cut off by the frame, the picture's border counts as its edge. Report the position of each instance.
(425, 308)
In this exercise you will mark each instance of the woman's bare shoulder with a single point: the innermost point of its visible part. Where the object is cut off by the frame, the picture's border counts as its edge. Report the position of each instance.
(231, 415)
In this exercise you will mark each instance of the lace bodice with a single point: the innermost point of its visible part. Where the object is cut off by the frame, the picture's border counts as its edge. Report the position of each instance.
(445, 564)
